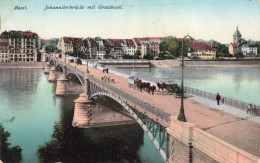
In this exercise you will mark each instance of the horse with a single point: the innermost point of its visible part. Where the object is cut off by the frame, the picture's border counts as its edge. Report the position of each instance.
(139, 86)
(151, 88)
(145, 85)
(161, 86)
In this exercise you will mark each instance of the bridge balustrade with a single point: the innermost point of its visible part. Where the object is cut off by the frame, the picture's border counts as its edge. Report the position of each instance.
(193, 91)
(158, 113)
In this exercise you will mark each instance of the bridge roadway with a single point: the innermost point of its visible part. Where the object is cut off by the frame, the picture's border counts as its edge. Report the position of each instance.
(237, 131)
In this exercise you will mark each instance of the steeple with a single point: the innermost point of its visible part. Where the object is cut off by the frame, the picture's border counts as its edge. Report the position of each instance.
(236, 36)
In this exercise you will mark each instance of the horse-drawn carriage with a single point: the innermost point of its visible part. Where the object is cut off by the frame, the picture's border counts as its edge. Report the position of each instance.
(170, 89)
(133, 80)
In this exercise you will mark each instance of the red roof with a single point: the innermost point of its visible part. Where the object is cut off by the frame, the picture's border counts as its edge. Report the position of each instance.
(200, 46)
(235, 45)
(4, 35)
(129, 42)
(28, 34)
(3, 43)
(72, 40)
(186, 39)
(105, 42)
(155, 38)
(137, 41)
(116, 42)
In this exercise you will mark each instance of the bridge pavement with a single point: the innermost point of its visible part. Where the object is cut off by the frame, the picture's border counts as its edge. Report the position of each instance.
(237, 131)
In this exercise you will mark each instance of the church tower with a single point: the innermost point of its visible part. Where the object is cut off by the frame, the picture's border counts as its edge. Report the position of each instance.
(236, 36)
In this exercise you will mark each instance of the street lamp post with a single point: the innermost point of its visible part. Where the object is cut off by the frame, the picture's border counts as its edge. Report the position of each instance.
(85, 51)
(134, 63)
(181, 116)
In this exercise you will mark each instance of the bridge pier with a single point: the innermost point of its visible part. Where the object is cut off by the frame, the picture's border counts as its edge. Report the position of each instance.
(46, 67)
(62, 84)
(83, 110)
(52, 73)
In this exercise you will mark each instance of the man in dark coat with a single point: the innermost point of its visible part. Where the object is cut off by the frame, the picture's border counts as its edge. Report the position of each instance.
(218, 98)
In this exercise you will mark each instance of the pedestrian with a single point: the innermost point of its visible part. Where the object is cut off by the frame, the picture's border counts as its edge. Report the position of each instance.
(218, 98)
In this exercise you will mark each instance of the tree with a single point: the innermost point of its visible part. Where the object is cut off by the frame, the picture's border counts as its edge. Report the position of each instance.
(173, 47)
(242, 41)
(8, 154)
(165, 43)
(257, 43)
(239, 55)
(221, 49)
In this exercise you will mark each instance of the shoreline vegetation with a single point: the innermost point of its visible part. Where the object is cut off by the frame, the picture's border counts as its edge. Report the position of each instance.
(8, 153)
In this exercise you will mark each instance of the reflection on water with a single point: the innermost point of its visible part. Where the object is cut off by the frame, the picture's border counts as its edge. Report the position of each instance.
(110, 144)
(241, 83)
(32, 113)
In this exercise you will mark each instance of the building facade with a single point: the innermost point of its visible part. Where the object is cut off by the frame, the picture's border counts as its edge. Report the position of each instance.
(249, 50)
(202, 50)
(18, 46)
(4, 47)
(71, 45)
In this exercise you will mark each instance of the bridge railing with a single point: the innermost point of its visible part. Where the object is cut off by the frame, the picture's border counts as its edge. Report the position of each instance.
(74, 69)
(147, 107)
(189, 90)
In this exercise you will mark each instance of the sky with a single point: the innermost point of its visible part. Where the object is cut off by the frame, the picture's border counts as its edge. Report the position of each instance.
(202, 19)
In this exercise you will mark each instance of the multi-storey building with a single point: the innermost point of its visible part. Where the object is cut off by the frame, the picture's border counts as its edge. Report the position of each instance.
(18, 46)
(249, 50)
(71, 45)
(100, 48)
(4, 49)
(91, 47)
(116, 48)
(202, 50)
(128, 46)
(148, 46)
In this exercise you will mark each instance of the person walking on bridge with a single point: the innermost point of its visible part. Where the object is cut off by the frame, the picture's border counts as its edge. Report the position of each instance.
(218, 98)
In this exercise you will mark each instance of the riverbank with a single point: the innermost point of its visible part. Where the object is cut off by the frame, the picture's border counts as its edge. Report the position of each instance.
(22, 65)
(204, 63)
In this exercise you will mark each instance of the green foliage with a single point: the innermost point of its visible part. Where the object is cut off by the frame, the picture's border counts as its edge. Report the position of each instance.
(174, 47)
(149, 57)
(171, 45)
(163, 56)
(239, 55)
(8, 154)
(257, 43)
(107, 56)
(50, 48)
(131, 57)
(222, 50)
(54, 42)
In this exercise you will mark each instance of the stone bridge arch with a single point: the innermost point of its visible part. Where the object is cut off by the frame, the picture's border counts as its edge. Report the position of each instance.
(157, 133)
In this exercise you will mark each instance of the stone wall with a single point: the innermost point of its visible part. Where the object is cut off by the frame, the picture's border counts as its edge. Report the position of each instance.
(186, 140)
(16, 65)
(202, 63)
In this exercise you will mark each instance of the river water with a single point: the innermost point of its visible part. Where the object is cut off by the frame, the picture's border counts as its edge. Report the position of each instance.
(240, 83)
(31, 112)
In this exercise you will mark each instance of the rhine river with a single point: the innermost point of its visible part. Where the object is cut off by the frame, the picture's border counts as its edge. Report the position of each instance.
(29, 110)
(240, 83)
